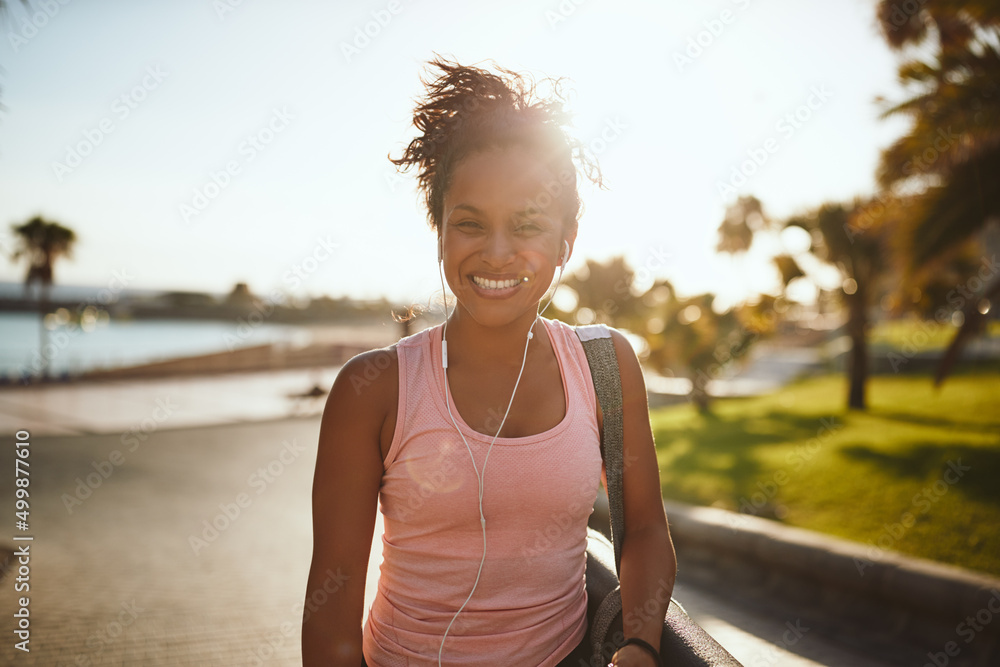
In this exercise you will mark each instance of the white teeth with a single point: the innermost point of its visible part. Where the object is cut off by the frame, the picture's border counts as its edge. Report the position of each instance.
(493, 284)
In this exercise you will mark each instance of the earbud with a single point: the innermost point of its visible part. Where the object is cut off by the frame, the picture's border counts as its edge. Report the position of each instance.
(439, 249)
(565, 257)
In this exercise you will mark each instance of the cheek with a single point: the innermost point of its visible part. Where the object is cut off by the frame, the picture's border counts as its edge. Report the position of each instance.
(539, 267)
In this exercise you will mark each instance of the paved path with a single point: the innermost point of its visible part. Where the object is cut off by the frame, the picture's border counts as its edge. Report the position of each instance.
(118, 406)
(118, 575)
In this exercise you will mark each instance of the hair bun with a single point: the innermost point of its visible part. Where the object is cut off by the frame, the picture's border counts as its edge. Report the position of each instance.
(466, 109)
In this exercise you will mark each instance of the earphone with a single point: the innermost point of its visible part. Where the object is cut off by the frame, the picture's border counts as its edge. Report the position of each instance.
(480, 474)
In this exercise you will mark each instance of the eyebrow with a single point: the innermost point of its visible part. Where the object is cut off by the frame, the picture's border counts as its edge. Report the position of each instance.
(528, 212)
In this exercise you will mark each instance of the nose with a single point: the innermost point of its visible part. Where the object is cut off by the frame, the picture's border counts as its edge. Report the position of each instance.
(498, 250)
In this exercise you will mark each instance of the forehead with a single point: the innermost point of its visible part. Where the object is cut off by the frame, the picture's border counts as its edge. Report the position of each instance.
(507, 178)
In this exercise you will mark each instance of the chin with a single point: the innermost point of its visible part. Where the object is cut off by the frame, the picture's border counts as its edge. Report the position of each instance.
(489, 315)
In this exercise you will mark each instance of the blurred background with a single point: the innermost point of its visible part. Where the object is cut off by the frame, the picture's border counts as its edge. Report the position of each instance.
(799, 234)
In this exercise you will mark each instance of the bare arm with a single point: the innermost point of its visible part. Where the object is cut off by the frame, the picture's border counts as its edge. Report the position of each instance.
(648, 562)
(344, 502)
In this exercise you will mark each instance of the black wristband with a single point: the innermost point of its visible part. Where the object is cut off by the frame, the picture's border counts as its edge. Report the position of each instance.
(646, 646)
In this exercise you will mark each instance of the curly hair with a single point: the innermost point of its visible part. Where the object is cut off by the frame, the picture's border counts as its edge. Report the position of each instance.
(469, 109)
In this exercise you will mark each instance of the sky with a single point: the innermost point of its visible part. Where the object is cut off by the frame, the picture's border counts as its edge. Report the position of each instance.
(199, 143)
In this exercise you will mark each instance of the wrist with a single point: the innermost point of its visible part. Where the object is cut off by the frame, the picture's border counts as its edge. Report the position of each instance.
(647, 648)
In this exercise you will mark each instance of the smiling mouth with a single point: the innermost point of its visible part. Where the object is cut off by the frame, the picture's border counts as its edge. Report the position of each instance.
(488, 284)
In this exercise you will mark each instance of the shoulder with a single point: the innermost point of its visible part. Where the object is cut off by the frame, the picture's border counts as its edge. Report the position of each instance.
(366, 388)
(633, 383)
(371, 372)
(376, 372)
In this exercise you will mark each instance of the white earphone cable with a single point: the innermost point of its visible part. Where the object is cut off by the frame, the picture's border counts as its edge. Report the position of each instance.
(481, 475)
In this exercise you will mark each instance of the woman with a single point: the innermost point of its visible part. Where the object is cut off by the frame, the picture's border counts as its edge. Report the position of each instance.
(480, 437)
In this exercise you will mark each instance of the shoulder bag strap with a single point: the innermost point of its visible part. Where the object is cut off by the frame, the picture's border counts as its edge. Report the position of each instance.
(600, 351)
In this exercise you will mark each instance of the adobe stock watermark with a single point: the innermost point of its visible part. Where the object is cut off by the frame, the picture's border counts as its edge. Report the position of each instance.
(767, 490)
(772, 654)
(656, 260)
(247, 326)
(920, 504)
(230, 512)
(967, 630)
(610, 132)
(957, 299)
(373, 367)
(299, 271)
(902, 12)
(30, 26)
(247, 152)
(562, 12)
(322, 251)
(553, 188)
(438, 479)
(728, 354)
(301, 611)
(101, 639)
(105, 468)
(438, 135)
(653, 608)
(786, 127)
(944, 141)
(223, 8)
(560, 521)
(60, 339)
(699, 43)
(121, 108)
(370, 30)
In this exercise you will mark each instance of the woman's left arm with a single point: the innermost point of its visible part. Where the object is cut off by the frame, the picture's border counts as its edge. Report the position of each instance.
(648, 562)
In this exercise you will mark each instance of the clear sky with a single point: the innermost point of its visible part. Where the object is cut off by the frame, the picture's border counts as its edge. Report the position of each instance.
(198, 143)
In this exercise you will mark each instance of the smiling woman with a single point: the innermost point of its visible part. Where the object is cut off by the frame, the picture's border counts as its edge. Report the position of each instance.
(483, 433)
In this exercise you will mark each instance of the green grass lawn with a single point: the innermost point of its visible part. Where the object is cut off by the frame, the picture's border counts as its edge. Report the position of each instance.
(918, 472)
(915, 335)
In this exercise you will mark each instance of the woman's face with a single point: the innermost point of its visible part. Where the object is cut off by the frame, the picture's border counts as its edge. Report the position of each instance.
(501, 223)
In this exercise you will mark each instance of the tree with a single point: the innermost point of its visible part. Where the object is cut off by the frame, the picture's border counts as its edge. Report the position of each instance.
(834, 239)
(699, 342)
(950, 158)
(861, 260)
(743, 219)
(42, 243)
(606, 290)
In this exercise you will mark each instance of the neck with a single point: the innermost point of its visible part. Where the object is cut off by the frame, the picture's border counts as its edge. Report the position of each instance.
(504, 345)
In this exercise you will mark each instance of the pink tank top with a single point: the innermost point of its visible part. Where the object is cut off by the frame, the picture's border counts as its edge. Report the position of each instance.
(530, 605)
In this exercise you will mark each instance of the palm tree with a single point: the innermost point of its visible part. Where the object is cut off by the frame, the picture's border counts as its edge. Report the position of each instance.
(861, 260)
(951, 155)
(858, 256)
(42, 243)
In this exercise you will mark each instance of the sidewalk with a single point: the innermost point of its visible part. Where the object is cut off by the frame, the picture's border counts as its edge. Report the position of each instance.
(150, 560)
(121, 406)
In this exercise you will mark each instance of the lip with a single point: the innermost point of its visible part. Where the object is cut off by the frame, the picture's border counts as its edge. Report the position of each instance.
(494, 293)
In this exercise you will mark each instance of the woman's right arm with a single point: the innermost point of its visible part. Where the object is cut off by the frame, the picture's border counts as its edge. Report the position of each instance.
(344, 502)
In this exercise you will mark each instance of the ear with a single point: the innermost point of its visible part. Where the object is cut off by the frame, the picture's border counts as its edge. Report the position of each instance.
(570, 240)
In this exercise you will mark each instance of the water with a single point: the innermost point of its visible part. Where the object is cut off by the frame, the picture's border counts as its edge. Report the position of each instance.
(112, 344)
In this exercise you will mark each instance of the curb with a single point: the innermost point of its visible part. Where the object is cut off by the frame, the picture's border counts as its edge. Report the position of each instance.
(938, 609)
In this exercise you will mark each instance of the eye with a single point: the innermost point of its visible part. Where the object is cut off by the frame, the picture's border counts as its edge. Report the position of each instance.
(528, 227)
